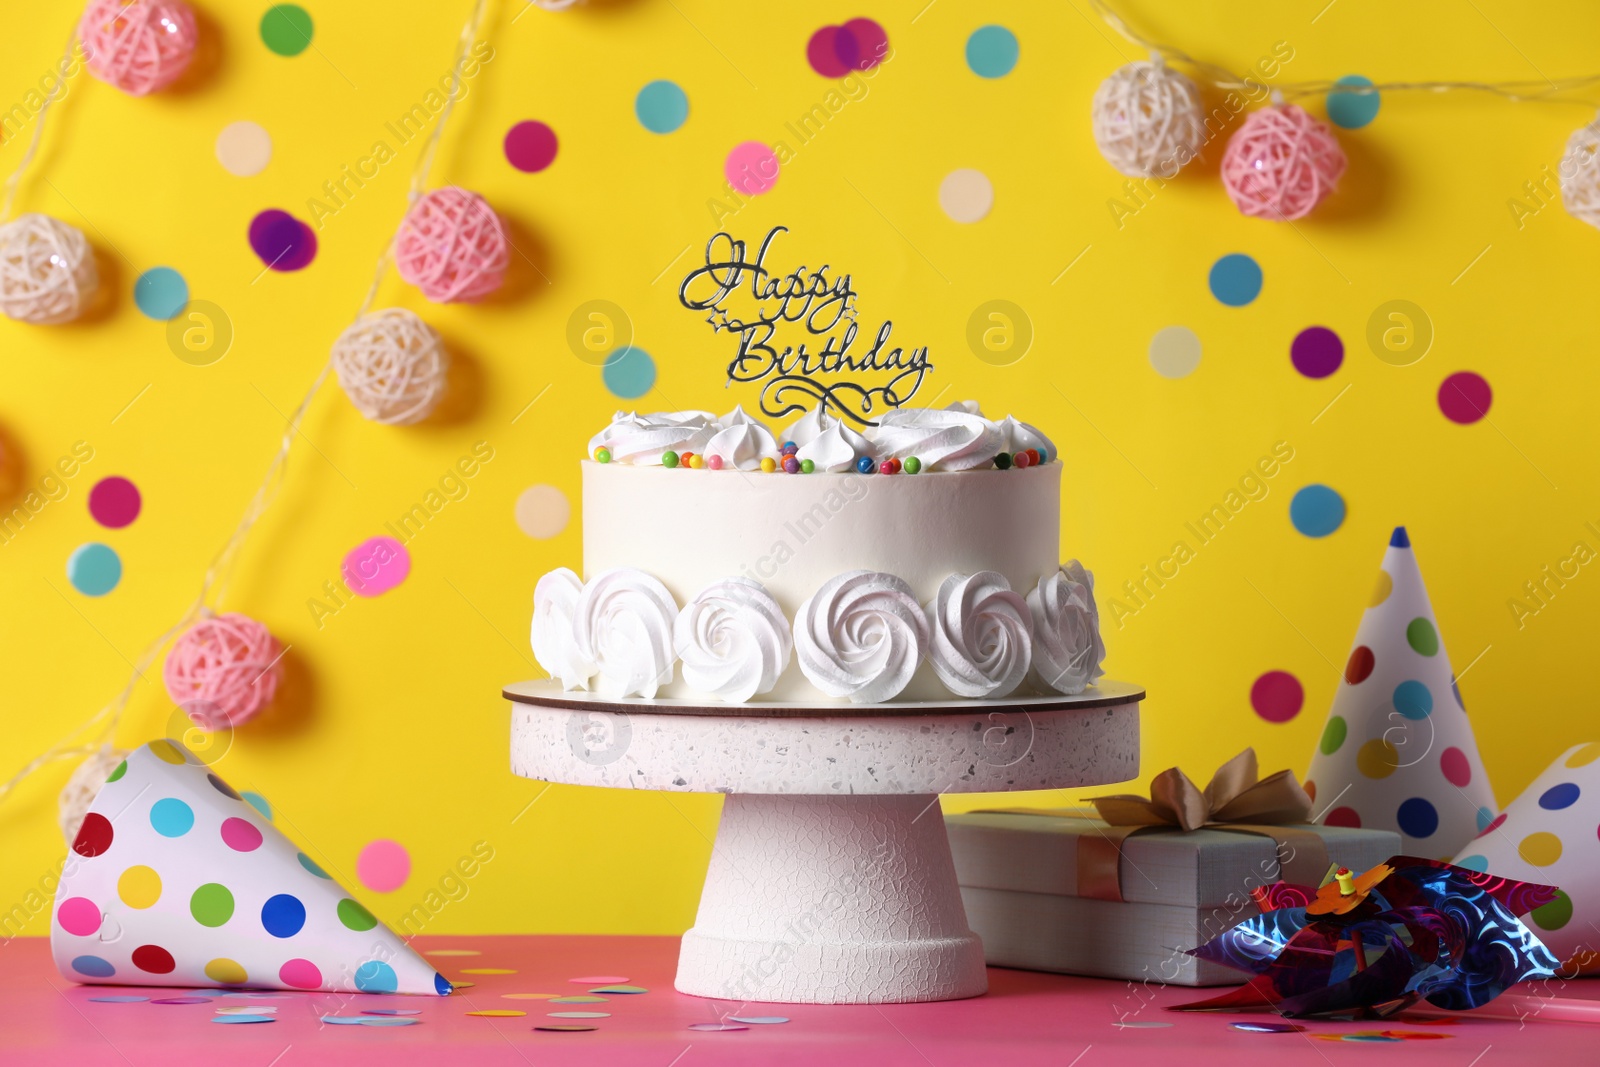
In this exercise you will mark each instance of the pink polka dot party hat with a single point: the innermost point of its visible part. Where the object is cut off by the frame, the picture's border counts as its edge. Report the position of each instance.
(1398, 751)
(175, 879)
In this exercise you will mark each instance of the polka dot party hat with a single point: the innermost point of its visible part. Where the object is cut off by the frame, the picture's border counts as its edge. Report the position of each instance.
(1398, 752)
(1548, 835)
(174, 880)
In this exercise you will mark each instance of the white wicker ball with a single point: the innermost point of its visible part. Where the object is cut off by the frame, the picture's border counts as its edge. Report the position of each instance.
(392, 366)
(83, 787)
(1147, 120)
(1580, 174)
(47, 270)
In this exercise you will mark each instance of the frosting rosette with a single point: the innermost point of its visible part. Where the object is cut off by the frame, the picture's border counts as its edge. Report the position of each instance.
(861, 636)
(1067, 648)
(623, 625)
(1017, 436)
(942, 440)
(742, 445)
(733, 640)
(642, 439)
(982, 635)
(808, 427)
(555, 607)
(836, 449)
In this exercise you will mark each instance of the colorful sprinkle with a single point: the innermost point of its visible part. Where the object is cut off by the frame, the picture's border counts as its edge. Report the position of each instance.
(865, 465)
(1003, 461)
(714, 462)
(1021, 461)
(602, 455)
(912, 465)
(530, 146)
(768, 464)
(807, 466)
(791, 465)
(696, 462)
(669, 459)
(114, 502)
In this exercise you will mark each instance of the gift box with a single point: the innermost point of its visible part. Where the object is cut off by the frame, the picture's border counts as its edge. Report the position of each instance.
(1124, 891)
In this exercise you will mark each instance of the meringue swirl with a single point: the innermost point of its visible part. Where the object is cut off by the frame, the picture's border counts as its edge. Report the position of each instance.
(623, 624)
(982, 635)
(941, 440)
(861, 636)
(836, 449)
(1067, 647)
(555, 605)
(809, 426)
(1017, 436)
(642, 439)
(733, 640)
(742, 445)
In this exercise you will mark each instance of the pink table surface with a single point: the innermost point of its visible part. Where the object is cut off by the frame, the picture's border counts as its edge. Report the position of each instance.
(1025, 1019)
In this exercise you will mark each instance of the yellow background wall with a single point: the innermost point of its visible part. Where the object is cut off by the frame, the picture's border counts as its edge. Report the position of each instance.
(391, 724)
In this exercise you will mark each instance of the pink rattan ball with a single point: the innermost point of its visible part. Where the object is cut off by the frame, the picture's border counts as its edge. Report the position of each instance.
(452, 246)
(1281, 163)
(138, 46)
(224, 670)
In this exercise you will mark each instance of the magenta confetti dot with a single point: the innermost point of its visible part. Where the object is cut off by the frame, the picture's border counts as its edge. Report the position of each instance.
(114, 502)
(751, 168)
(1316, 352)
(716, 1026)
(1464, 397)
(1277, 696)
(871, 42)
(182, 1000)
(376, 566)
(281, 241)
(823, 52)
(530, 146)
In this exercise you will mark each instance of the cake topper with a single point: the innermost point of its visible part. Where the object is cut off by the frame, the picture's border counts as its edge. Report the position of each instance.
(823, 303)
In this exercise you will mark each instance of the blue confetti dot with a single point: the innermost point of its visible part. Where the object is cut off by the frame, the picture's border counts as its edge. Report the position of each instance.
(1316, 511)
(629, 372)
(93, 967)
(375, 976)
(283, 915)
(94, 569)
(1485, 817)
(992, 51)
(1473, 863)
(661, 106)
(1559, 796)
(1351, 111)
(161, 293)
(243, 1020)
(171, 817)
(1417, 818)
(259, 802)
(1412, 699)
(1235, 279)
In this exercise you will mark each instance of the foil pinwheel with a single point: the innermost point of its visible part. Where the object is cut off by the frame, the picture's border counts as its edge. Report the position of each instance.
(1370, 945)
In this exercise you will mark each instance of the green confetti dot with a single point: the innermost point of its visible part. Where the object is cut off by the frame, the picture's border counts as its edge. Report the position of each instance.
(1554, 915)
(211, 904)
(354, 916)
(1421, 636)
(1333, 735)
(286, 29)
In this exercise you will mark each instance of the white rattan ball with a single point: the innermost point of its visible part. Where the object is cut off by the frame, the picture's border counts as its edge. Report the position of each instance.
(47, 270)
(84, 786)
(1580, 174)
(1147, 120)
(392, 366)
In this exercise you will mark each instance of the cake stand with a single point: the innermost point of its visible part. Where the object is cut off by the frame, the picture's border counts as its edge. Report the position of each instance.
(830, 880)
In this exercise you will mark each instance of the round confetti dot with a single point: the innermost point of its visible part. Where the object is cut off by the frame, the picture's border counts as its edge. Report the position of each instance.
(281, 241)
(629, 372)
(182, 1000)
(1235, 279)
(171, 817)
(871, 42)
(1417, 818)
(599, 979)
(243, 148)
(139, 887)
(153, 959)
(1359, 668)
(1343, 817)
(118, 1000)
(766, 1020)
(311, 865)
(624, 990)
(578, 1000)
(391, 1011)
(373, 976)
(242, 1020)
(751, 168)
(579, 1014)
(498, 1013)
(1559, 796)
(966, 195)
(1353, 110)
(1465, 397)
(1412, 699)
(1585, 755)
(300, 974)
(1554, 915)
(376, 566)
(211, 904)
(1316, 511)
(354, 916)
(1473, 863)
(1381, 591)
(661, 107)
(1175, 351)
(94, 967)
(114, 502)
(1333, 735)
(94, 836)
(160, 293)
(226, 971)
(259, 802)
(530, 146)
(542, 511)
(1541, 848)
(79, 916)
(992, 51)
(715, 1027)
(283, 915)
(286, 29)
(1485, 820)
(94, 569)
(566, 1028)
(1316, 352)
(1493, 825)
(1422, 637)
(1453, 763)
(1277, 696)
(383, 866)
(832, 51)
(240, 835)
(1377, 758)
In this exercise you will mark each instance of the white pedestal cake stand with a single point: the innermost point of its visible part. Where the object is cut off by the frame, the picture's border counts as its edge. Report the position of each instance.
(830, 880)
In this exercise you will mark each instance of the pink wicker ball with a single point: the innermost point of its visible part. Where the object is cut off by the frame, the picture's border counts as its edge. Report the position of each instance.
(452, 246)
(138, 45)
(1281, 163)
(224, 670)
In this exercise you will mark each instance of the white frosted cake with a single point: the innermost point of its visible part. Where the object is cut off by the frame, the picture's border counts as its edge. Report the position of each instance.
(918, 559)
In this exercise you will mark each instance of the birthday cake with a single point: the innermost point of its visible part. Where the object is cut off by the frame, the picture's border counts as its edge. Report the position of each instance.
(917, 558)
